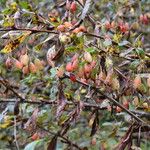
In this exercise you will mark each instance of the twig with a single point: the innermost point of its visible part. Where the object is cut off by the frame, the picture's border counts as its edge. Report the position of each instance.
(28, 29)
(110, 98)
(15, 133)
(8, 86)
(64, 138)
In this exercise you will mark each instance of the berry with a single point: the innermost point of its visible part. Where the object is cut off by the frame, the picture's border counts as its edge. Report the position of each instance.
(69, 67)
(82, 29)
(67, 25)
(61, 28)
(137, 82)
(75, 64)
(32, 68)
(73, 7)
(35, 136)
(118, 109)
(18, 64)
(72, 77)
(24, 59)
(25, 70)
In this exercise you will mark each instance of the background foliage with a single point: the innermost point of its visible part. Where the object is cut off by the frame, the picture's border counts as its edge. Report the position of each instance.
(74, 74)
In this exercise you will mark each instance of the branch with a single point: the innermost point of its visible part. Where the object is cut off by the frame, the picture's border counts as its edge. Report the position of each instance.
(110, 98)
(28, 29)
(64, 138)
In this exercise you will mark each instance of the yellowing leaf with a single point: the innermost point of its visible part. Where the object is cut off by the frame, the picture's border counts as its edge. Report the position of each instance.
(14, 44)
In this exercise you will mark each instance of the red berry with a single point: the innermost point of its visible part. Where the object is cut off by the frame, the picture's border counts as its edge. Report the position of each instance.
(73, 7)
(18, 64)
(118, 109)
(107, 25)
(32, 68)
(61, 28)
(69, 67)
(75, 64)
(82, 29)
(25, 70)
(72, 77)
(126, 104)
(35, 136)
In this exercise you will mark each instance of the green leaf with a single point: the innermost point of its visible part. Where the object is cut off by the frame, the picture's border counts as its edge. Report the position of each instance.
(134, 64)
(140, 52)
(31, 146)
(90, 49)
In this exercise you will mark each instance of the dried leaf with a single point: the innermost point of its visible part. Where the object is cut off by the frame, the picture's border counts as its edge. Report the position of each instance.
(11, 45)
(50, 55)
(31, 123)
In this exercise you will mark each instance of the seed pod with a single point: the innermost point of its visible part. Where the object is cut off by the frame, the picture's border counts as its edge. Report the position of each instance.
(75, 64)
(18, 64)
(135, 101)
(8, 62)
(73, 7)
(69, 67)
(25, 70)
(24, 59)
(61, 28)
(118, 109)
(137, 82)
(76, 30)
(67, 25)
(35, 136)
(82, 29)
(32, 68)
(38, 63)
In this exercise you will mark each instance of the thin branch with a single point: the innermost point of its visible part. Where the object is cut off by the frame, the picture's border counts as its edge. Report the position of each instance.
(64, 138)
(28, 29)
(110, 98)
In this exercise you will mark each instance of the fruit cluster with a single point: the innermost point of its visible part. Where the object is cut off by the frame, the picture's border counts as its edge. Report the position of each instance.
(24, 64)
(66, 26)
(122, 26)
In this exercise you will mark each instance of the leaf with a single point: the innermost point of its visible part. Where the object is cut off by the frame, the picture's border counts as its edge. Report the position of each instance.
(140, 52)
(11, 45)
(31, 123)
(50, 55)
(95, 124)
(32, 146)
(53, 143)
(85, 9)
(61, 102)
